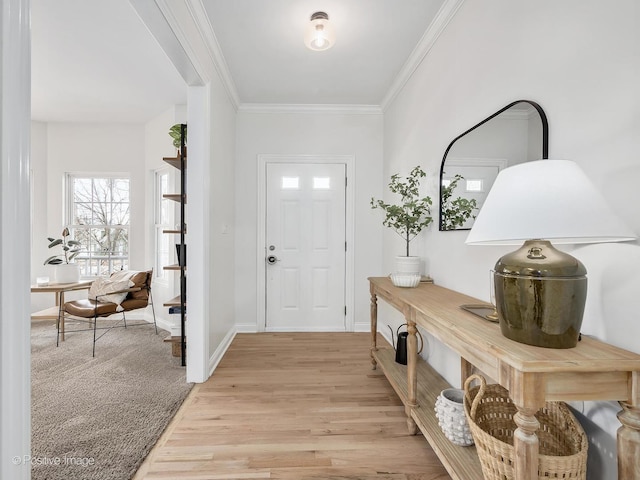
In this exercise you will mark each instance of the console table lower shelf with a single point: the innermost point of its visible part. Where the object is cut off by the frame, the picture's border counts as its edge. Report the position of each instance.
(462, 463)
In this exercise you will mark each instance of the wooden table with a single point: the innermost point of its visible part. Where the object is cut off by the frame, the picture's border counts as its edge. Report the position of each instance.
(58, 289)
(593, 370)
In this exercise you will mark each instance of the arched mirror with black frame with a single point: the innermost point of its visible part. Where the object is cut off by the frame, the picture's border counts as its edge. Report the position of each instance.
(514, 134)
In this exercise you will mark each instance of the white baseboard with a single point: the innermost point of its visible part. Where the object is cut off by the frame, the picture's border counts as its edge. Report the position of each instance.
(214, 360)
(252, 328)
(304, 330)
(362, 327)
(248, 328)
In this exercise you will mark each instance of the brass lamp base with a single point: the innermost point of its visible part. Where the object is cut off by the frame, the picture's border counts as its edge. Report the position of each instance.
(540, 295)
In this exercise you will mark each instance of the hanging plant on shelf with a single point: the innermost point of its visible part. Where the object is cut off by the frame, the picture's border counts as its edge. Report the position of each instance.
(175, 132)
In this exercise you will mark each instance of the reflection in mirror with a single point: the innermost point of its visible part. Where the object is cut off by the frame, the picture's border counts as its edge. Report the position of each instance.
(514, 134)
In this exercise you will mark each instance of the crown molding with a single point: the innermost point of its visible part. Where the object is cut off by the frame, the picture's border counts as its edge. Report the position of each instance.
(428, 40)
(201, 19)
(310, 108)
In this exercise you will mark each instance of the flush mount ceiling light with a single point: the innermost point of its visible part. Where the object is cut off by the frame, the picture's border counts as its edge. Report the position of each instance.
(319, 34)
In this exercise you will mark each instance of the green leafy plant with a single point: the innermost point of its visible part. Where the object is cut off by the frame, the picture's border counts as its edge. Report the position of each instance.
(175, 132)
(457, 211)
(413, 213)
(70, 249)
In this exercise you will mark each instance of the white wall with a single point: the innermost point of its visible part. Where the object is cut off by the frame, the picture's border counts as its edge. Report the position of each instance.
(96, 148)
(580, 60)
(306, 134)
(39, 218)
(39, 198)
(222, 233)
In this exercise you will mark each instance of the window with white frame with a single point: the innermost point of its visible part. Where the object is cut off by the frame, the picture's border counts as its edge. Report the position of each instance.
(163, 221)
(98, 207)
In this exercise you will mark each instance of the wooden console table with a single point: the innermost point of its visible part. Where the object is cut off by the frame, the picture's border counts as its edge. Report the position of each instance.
(591, 371)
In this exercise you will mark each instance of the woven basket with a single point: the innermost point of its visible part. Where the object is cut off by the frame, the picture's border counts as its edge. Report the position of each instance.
(562, 441)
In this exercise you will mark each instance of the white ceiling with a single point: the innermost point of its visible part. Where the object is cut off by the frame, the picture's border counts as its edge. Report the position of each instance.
(95, 61)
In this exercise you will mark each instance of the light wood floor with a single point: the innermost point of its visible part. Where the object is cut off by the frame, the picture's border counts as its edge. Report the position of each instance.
(293, 406)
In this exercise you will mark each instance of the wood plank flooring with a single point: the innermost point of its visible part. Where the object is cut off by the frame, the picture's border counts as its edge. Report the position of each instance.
(293, 406)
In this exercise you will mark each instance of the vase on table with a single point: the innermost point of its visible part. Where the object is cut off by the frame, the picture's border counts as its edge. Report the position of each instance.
(66, 273)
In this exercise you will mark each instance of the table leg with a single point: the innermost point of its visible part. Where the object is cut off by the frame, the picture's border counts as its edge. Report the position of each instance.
(60, 302)
(466, 370)
(525, 443)
(629, 442)
(527, 390)
(374, 327)
(412, 377)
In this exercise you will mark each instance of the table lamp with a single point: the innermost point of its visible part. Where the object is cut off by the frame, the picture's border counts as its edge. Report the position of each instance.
(540, 291)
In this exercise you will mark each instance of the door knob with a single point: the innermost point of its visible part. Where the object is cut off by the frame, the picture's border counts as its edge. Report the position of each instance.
(272, 259)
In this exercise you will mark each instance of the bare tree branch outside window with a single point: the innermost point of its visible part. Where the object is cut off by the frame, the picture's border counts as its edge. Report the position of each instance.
(100, 222)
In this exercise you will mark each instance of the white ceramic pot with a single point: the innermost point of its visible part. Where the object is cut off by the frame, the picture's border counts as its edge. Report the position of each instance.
(405, 280)
(451, 417)
(408, 265)
(66, 273)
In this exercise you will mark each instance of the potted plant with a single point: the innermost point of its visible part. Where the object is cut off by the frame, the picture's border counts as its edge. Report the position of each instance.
(175, 132)
(65, 271)
(456, 212)
(407, 218)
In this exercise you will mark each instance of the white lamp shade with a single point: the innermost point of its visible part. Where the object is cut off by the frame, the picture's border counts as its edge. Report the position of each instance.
(319, 34)
(546, 199)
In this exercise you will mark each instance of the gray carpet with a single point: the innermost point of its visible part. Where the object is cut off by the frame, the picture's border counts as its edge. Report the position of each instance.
(97, 418)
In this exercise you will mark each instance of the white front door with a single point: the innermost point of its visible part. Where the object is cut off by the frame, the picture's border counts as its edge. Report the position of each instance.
(305, 247)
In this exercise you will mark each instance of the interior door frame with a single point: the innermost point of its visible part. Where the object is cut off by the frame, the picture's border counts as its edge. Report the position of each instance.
(263, 160)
